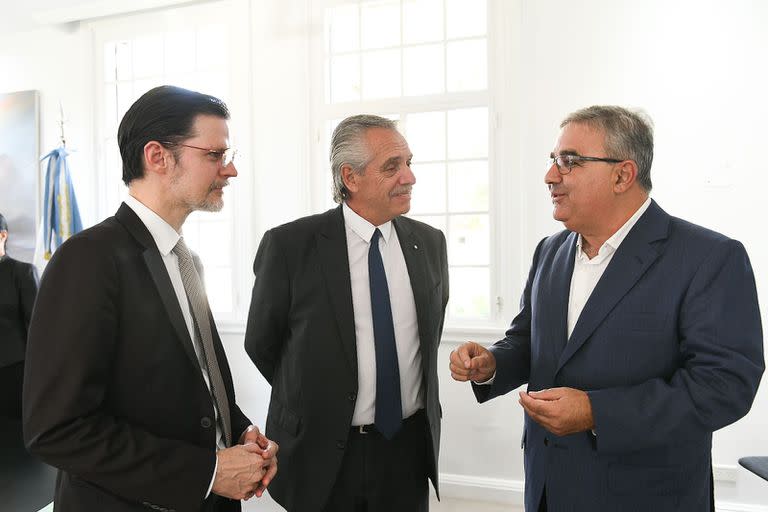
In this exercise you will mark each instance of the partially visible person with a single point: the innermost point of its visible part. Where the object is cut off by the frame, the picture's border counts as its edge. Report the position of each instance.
(639, 335)
(127, 388)
(18, 287)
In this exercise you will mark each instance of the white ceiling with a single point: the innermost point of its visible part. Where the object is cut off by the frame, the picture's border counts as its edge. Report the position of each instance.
(20, 15)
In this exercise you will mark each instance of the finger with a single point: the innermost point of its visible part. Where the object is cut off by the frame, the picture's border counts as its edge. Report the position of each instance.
(271, 472)
(253, 448)
(458, 368)
(461, 356)
(540, 407)
(548, 394)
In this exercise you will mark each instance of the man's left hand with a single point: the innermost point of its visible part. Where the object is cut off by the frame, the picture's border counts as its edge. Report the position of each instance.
(269, 448)
(562, 411)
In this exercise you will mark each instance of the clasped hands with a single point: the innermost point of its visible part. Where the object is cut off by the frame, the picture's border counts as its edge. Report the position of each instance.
(561, 411)
(245, 470)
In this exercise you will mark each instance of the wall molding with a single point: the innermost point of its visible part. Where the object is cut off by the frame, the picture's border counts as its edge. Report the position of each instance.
(510, 492)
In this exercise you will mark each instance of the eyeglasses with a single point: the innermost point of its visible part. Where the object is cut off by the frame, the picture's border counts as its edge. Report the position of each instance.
(566, 163)
(225, 156)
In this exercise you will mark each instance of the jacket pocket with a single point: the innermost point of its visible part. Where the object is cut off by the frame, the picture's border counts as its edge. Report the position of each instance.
(283, 418)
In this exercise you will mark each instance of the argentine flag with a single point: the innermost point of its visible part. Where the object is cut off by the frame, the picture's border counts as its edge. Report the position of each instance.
(61, 217)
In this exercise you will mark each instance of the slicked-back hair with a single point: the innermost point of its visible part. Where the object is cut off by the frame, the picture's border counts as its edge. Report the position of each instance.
(165, 114)
(628, 135)
(3, 223)
(348, 147)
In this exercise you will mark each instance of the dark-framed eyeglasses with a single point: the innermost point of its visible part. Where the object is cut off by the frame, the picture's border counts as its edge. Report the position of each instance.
(224, 156)
(565, 163)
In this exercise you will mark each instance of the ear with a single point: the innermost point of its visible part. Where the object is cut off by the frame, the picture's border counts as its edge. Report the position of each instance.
(349, 176)
(157, 158)
(624, 176)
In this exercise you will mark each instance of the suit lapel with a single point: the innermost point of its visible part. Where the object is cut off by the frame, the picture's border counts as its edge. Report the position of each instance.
(633, 258)
(413, 252)
(556, 300)
(334, 260)
(159, 273)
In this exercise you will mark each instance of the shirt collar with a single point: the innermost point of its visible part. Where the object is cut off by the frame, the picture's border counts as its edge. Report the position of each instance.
(362, 227)
(164, 235)
(613, 243)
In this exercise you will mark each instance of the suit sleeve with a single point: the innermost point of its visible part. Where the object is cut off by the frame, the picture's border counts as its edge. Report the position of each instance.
(28, 283)
(721, 363)
(513, 353)
(270, 307)
(74, 341)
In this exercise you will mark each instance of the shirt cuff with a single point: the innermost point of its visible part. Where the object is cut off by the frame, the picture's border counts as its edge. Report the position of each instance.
(487, 382)
(215, 467)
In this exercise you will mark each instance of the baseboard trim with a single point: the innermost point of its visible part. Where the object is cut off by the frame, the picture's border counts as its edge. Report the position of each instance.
(511, 492)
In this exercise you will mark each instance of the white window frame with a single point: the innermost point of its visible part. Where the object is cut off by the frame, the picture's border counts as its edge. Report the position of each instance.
(509, 259)
(109, 184)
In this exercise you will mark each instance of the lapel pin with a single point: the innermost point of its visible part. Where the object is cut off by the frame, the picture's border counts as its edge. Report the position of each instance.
(415, 246)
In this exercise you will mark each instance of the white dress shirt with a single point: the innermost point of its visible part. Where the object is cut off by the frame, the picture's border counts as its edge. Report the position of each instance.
(587, 272)
(359, 232)
(166, 238)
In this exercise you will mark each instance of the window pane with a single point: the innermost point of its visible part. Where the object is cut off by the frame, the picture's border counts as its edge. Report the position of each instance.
(381, 74)
(218, 288)
(345, 78)
(147, 56)
(343, 28)
(180, 52)
(110, 108)
(426, 135)
(125, 98)
(467, 65)
(465, 18)
(424, 69)
(468, 186)
(429, 192)
(123, 60)
(469, 237)
(468, 133)
(436, 221)
(470, 293)
(212, 48)
(215, 242)
(380, 24)
(422, 21)
(110, 64)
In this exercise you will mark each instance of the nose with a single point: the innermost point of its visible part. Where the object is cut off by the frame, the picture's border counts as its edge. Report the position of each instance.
(229, 170)
(553, 175)
(407, 177)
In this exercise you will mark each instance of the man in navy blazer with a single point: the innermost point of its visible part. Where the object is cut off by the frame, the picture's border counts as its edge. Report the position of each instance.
(638, 336)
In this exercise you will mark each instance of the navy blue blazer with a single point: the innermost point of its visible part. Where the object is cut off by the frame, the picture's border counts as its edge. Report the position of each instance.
(669, 347)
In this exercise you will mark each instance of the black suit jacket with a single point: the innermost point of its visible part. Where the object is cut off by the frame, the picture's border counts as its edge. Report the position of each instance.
(113, 395)
(18, 287)
(301, 336)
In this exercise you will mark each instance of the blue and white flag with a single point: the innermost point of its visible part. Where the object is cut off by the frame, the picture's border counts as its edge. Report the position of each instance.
(61, 217)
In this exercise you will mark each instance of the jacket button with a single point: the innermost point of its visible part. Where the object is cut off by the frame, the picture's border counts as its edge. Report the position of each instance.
(546, 441)
(340, 445)
(205, 422)
(352, 397)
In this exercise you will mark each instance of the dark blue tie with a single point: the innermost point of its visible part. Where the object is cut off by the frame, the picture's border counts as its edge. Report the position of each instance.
(389, 411)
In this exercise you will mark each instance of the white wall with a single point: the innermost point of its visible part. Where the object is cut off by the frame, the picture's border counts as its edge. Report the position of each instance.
(698, 68)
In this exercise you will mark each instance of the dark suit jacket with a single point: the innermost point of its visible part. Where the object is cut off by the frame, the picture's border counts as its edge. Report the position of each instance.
(669, 347)
(301, 336)
(113, 393)
(18, 287)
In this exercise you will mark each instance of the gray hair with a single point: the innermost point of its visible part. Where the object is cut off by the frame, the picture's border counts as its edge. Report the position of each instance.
(628, 135)
(348, 148)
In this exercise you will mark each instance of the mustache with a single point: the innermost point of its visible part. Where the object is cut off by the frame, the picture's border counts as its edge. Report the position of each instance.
(401, 190)
(218, 185)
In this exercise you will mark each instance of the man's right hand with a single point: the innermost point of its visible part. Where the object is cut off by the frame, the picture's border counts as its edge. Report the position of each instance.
(239, 471)
(472, 361)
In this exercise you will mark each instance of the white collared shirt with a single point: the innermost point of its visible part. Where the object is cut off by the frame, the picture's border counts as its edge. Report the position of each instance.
(359, 232)
(587, 272)
(166, 238)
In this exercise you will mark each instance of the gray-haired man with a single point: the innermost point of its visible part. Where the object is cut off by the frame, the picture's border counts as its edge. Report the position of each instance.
(345, 321)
